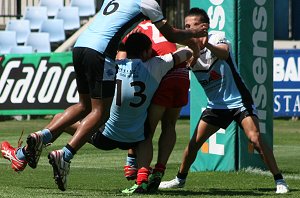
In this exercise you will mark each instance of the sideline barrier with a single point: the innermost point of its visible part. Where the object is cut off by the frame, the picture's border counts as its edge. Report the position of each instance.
(36, 84)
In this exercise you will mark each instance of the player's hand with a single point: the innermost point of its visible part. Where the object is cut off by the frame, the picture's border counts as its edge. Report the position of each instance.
(202, 31)
(203, 42)
(191, 62)
(135, 30)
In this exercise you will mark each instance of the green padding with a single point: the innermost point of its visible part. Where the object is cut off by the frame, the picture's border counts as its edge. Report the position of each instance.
(255, 58)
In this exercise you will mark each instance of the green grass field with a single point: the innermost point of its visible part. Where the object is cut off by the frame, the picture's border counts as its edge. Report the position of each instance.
(96, 173)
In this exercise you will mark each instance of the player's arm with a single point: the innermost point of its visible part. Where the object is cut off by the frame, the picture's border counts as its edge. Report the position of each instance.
(181, 55)
(220, 50)
(121, 52)
(177, 35)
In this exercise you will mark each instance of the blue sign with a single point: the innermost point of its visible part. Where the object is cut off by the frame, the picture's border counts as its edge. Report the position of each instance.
(185, 111)
(286, 82)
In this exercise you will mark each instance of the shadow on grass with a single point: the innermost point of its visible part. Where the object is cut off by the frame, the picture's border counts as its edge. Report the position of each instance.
(215, 192)
(75, 192)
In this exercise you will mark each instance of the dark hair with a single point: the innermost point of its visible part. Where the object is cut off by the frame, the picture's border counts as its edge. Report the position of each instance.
(136, 43)
(199, 12)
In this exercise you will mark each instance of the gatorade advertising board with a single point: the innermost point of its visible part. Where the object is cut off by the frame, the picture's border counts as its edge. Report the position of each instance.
(37, 84)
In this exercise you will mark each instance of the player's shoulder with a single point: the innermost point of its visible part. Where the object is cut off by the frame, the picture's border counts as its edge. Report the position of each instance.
(218, 38)
(152, 3)
(162, 58)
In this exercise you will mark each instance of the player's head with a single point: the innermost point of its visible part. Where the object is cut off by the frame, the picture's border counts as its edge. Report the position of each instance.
(138, 45)
(195, 17)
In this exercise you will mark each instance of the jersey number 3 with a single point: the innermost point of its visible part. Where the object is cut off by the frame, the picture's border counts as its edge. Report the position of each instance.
(139, 93)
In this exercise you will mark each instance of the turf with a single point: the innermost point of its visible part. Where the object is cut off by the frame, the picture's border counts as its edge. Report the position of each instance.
(96, 173)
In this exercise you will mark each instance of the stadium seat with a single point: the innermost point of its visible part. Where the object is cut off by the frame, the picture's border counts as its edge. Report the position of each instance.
(36, 15)
(40, 42)
(8, 39)
(52, 6)
(71, 18)
(55, 28)
(87, 8)
(22, 28)
(20, 49)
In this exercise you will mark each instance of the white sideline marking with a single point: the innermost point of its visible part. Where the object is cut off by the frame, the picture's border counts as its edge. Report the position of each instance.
(268, 173)
(248, 170)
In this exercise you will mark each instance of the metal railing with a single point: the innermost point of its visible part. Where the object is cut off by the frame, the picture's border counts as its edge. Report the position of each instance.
(14, 9)
(174, 10)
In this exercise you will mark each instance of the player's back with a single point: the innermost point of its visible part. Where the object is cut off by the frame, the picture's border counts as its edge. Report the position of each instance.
(113, 20)
(136, 84)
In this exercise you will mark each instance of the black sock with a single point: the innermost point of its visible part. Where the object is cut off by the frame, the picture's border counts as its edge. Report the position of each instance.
(71, 149)
(182, 175)
(24, 151)
(278, 176)
(131, 155)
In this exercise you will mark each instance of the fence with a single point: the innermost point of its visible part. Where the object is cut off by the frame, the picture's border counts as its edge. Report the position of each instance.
(174, 10)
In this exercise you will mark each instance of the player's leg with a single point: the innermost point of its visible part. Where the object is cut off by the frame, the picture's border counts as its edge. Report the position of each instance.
(144, 152)
(155, 113)
(171, 96)
(130, 168)
(167, 138)
(166, 144)
(70, 116)
(36, 141)
(30, 153)
(14, 155)
(250, 125)
(90, 67)
(60, 159)
(201, 134)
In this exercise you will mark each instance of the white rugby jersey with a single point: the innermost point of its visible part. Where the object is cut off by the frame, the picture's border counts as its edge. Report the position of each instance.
(220, 79)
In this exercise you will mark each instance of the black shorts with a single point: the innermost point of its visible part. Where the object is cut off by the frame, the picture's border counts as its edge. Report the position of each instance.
(223, 117)
(95, 74)
(104, 143)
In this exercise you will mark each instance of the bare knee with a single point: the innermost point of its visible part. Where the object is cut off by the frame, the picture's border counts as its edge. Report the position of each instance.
(168, 129)
(255, 138)
(84, 108)
(57, 116)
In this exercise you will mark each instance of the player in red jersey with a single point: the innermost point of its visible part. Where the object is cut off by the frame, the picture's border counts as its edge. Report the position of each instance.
(167, 102)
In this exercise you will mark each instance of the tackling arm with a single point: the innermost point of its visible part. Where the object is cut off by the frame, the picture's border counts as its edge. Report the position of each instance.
(221, 51)
(177, 35)
(182, 54)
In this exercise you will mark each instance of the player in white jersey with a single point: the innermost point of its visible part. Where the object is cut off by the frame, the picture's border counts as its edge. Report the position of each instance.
(228, 100)
(93, 57)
